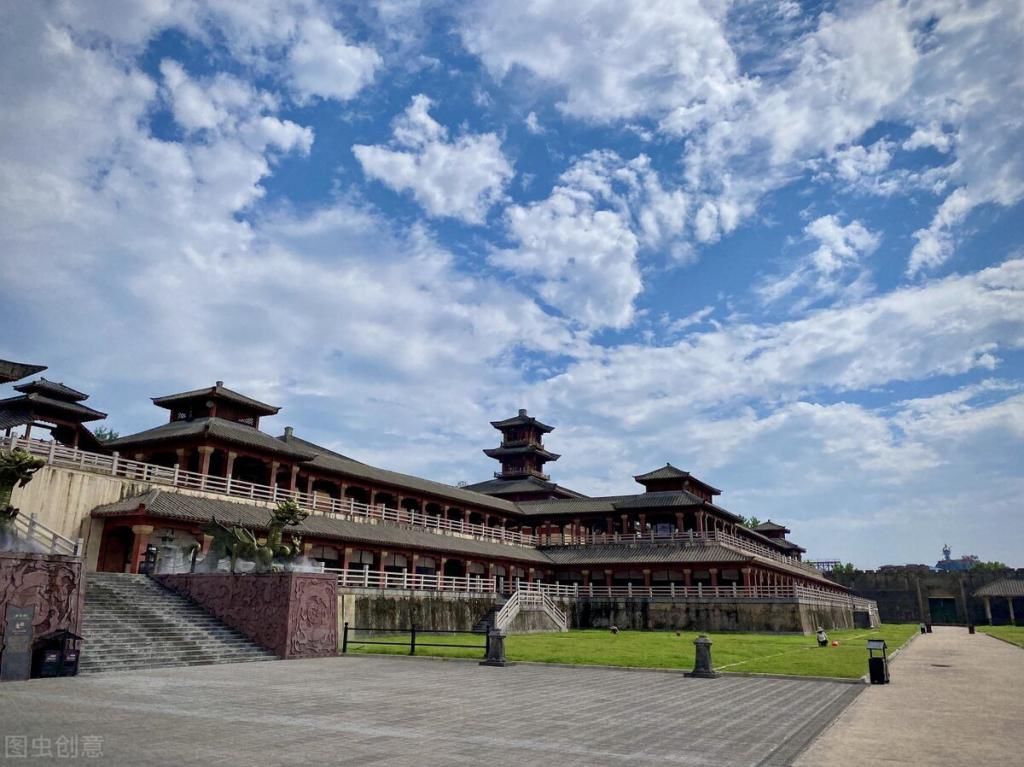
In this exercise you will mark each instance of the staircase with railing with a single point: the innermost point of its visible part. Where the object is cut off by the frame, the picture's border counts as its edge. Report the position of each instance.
(42, 539)
(530, 600)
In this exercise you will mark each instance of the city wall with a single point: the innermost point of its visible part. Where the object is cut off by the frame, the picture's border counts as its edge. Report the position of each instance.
(913, 594)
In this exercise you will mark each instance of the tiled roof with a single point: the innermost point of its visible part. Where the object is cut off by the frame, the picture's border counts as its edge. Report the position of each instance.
(190, 508)
(52, 389)
(1007, 587)
(500, 452)
(522, 419)
(217, 428)
(668, 471)
(659, 500)
(520, 485)
(33, 402)
(15, 371)
(639, 553)
(610, 503)
(218, 391)
(329, 461)
(769, 526)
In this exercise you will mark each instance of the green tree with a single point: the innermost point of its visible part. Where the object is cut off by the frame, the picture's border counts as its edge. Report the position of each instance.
(844, 568)
(16, 469)
(988, 567)
(750, 522)
(105, 433)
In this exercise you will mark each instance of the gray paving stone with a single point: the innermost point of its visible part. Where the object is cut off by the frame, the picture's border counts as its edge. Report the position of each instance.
(384, 711)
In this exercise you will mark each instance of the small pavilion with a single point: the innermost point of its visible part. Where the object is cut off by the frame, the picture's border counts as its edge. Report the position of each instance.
(214, 431)
(1008, 589)
(53, 407)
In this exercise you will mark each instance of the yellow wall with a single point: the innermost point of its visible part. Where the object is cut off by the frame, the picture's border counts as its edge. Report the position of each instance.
(62, 499)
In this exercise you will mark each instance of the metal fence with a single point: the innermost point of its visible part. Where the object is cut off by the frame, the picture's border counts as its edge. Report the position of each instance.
(413, 638)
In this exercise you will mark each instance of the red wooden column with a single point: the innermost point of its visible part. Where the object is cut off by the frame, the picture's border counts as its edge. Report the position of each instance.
(204, 464)
(182, 458)
(140, 539)
(647, 579)
(625, 524)
(714, 576)
(295, 478)
(746, 578)
(229, 467)
(687, 580)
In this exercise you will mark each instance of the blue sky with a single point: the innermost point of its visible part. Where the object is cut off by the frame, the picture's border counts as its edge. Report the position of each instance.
(777, 244)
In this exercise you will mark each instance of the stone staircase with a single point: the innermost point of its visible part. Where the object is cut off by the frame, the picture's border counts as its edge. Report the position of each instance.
(132, 622)
(486, 623)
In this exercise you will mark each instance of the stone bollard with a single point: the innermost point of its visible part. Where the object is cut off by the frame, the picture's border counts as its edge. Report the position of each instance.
(495, 649)
(702, 667)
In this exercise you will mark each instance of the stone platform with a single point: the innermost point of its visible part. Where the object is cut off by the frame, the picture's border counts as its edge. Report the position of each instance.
(398, 712)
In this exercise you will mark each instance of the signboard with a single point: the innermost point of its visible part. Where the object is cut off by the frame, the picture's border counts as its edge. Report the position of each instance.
(16, 656)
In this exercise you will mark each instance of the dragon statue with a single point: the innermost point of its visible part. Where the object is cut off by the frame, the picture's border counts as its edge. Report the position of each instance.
(17, 468)
(236, 542)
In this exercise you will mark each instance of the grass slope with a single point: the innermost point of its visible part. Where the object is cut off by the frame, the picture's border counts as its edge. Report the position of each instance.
(1011, 634)
(758, 653)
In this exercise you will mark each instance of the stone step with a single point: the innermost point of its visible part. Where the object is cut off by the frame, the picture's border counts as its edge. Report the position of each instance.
(168, 665)
(132, 622)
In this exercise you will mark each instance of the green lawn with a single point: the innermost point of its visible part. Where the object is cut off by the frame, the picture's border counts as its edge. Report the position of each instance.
(760, 653)
(1012, 634)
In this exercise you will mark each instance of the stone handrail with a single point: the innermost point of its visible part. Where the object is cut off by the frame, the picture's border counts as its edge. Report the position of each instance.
(60, 455)
(31, 529)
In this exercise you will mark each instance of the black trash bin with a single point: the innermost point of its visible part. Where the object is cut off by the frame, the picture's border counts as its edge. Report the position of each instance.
(56, 654)
(878, 665)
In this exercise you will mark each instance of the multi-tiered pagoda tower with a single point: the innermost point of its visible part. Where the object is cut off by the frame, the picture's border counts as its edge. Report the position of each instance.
(522, 456)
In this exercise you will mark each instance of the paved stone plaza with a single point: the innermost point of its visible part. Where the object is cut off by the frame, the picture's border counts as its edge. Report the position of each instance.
(954, 699)
(394, 712)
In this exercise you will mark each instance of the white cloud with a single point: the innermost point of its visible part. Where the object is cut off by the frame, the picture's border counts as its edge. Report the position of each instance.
(834, 268)
(323, 63)
(839, 245)
(946, 327)
(612, 60)
(461, 178)
(931, 135)
(582, 241)
(854, 162)
(533, 124)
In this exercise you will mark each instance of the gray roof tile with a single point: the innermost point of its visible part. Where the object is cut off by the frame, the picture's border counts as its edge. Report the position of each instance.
(52, 389)
(217, 428)
(180, 506)
(1007, 587)
(641, 553)
(334, 462)
(218, 391)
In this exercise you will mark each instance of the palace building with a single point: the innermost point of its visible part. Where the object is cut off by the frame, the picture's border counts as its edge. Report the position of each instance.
(214, 459)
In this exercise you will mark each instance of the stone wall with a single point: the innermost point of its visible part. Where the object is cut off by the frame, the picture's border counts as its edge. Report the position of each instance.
(293, 615)
(717, 615)
(458, 612)
(51, 583)
(902, 596)
(441, 611)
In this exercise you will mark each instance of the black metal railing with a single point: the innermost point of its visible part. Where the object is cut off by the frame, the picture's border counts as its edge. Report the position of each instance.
(414, 640)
